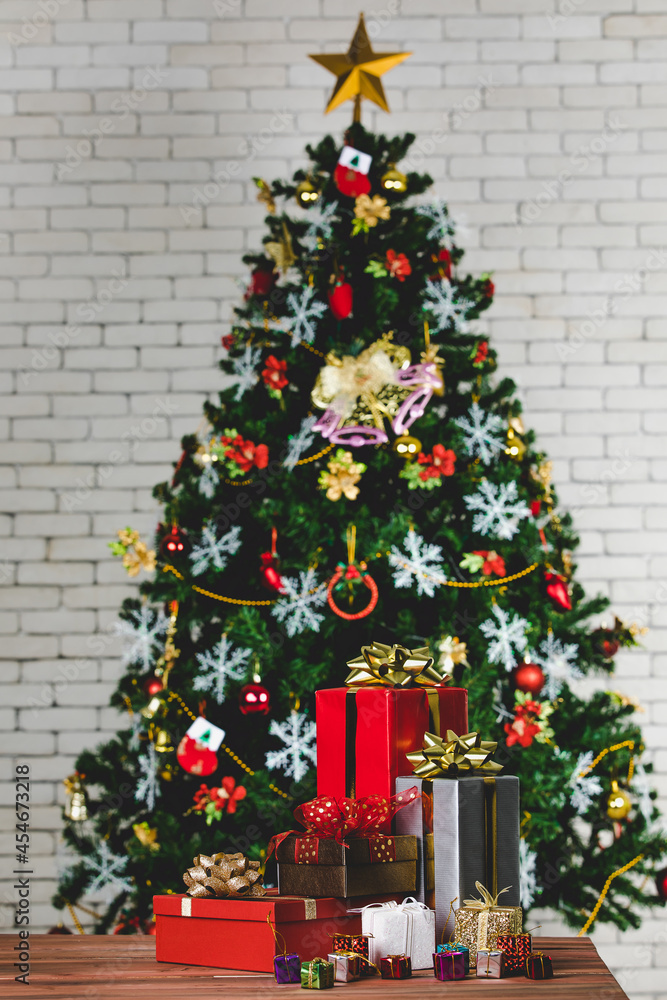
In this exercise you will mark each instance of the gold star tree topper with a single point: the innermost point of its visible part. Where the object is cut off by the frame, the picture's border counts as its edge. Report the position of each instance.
(358, 72)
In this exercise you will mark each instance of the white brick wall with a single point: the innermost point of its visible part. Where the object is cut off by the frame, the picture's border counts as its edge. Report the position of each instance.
(543, 122)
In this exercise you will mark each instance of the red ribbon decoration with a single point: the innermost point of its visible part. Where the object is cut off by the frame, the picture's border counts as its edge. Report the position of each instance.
(328, 818)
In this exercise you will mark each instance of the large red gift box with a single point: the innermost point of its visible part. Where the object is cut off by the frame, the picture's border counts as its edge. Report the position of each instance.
(364, 734)
(235, 933)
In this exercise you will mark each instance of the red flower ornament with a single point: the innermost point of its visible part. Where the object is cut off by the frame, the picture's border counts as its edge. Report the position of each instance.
(274, 373)
(439, 463)
(398, 265)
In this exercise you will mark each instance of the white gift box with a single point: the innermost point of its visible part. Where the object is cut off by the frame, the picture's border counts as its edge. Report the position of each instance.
(406, 928)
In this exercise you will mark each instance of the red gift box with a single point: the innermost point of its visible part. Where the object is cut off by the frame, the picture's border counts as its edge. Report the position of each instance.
(235, 934)
(364, 734)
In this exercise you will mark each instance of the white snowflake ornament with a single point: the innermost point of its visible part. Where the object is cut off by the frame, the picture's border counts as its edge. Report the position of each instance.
(509, 637)
(557, 659)
(107, 868)
(300, 442)
(211, 551)
(298, 735)
(245, 370)
(498, 509)
(301, 597)
(224, 662)
(148, 787)
(480, 430)
(447, 310)
(420, 562)
(209, 480)
(302, 313)
(142, 633)
(585, 787)
(321, 226)
(528, 887)
(442, 228)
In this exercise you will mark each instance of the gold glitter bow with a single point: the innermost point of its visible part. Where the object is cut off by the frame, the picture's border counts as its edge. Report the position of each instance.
(487, 902)
(224, 875)
(381, 665)
(439, 757)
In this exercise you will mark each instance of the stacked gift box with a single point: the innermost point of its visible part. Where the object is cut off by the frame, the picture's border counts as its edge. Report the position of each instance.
(412, 819)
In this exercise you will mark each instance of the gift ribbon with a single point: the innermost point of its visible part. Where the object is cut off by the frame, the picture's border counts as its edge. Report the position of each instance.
(326, 817)
(381, 665)
(312, 970)
(276, 935)
(535, 955)
(395, 965)
(485, 905)
(230, 876)
(448, 757)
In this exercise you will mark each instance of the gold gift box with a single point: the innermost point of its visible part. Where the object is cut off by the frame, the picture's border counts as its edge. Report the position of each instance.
(478, 928)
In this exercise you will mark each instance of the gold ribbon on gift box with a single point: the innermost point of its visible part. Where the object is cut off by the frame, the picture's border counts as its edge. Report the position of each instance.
(448, 757)
(232, 876)
(381, 665)
(484, 906)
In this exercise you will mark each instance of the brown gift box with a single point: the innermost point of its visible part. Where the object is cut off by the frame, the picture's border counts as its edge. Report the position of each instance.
(363, 868)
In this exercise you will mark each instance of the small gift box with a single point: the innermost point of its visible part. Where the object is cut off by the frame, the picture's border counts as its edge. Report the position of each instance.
(490, 964)
(395, 967)
(406, 928)
(538, 966)
(347, 966)
(449, 965)
(461, 948)
(357, 943)
(317, 975)
(479, 921)
(516, 949)
(287, 969)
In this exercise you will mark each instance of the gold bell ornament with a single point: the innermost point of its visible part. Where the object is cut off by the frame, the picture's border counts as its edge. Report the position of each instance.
(514, 446)
(394, 180)
(618, 803)
(76, 806)
(307, 194)
(407, 447)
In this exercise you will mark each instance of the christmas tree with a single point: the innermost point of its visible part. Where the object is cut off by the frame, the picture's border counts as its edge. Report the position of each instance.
(367, 476)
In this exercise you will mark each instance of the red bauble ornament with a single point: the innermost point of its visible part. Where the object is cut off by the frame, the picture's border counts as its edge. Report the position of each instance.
(196, 758)
(529, 677)
(557, 590)
(152, 685)
(271, 578)
(609, 645)
(444, 262)
(262, 282)
(340, 300)
(351, 182)
(150, 927)
(661, 883)
(254, 699)
(174, 544)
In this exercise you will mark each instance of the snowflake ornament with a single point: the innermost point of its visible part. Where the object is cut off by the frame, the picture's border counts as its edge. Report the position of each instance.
(303, 312)
(298, 735)
(480, 431)
(528, 887)
(300, 442)
(422, 562)
(584, 787)
(642, 789)
(558, 662)
(445, 307)
(141, 634)
(296, 608)
(148, 787)
(320, 229)
(442, 228)
(509, 637)
(107, 868)
(208, 481)
(498, 509)
(224, 662)
(213, 551)
(245, 370)
(502, 714)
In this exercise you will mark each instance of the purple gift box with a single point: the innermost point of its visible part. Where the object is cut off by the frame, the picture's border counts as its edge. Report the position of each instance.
(287, 969)
(449, 965)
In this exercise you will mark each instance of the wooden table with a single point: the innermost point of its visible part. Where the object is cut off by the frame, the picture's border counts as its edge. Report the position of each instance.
(124, 968)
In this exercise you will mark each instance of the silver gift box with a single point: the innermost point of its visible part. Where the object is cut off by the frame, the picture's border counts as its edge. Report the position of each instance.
(455, 848)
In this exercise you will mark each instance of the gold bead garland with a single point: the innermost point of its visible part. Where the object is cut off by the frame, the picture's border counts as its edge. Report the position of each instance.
(605, 890)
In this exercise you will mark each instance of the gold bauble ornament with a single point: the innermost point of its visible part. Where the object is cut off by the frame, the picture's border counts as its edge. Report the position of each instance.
(618, 803)
(514, 446)
(407, 446)
(76, 806)
(307, 194)
(394, 180)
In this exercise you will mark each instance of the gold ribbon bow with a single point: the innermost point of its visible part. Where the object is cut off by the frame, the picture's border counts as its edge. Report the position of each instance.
(439, 757)
(225, 876)
(487, 902)
(381, 665)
